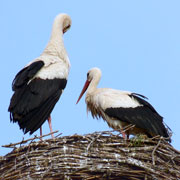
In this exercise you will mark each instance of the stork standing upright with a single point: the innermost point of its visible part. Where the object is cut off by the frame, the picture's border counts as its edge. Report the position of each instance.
(122, 108)
(39, 85)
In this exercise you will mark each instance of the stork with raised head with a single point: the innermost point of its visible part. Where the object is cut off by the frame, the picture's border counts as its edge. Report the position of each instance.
(39, 85)
(122, 108)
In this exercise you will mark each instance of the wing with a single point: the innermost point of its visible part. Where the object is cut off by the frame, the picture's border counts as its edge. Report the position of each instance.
(26, 74)
(142, 115)
(34, 98)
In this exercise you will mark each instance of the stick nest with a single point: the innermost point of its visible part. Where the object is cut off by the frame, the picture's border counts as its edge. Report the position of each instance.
(101, 155)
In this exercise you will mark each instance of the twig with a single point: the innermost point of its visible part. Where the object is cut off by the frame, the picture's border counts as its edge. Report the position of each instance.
(155, 137)
(58, 135)
(22, 141)
(126, 128)
(92, 141)
(25, 141)
(154, 150)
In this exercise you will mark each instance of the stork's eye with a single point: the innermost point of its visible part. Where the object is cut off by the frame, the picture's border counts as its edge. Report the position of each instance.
(87, 75)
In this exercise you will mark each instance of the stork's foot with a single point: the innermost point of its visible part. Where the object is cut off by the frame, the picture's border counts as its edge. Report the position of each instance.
(52, 135)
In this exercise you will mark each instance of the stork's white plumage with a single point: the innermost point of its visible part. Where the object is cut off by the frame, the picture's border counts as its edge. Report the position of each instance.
(39, 85)
(122, 108)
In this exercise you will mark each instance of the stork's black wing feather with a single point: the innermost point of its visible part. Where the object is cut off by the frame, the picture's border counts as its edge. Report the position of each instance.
(142, 101)
(143, 116)
(26, 74)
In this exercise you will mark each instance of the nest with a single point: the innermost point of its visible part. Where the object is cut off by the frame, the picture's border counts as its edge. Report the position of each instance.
(101, 155)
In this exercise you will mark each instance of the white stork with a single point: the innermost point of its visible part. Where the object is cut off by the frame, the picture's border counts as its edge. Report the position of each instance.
(122, 108)
(39, 85)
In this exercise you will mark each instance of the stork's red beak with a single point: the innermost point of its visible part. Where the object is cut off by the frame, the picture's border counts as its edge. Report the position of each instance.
(83, 90)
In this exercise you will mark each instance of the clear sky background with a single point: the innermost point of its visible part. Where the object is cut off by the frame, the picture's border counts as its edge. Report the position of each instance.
(136, 44)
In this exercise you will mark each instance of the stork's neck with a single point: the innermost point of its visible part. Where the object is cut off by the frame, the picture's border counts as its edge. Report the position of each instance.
(55, 45)
(57, 31)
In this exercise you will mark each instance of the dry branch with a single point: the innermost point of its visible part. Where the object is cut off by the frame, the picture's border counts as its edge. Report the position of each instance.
(101, 155)
(11, 145)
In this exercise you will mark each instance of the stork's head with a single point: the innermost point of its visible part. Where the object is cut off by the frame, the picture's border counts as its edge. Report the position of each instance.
(93, 73)
(66, 23)
(93, 77)
(64, 20)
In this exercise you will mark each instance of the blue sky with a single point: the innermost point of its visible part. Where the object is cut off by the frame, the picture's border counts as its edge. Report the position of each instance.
(136, 44)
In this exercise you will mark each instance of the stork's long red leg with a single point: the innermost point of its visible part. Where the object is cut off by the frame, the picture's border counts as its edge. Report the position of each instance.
(50, 126)
(41, 131)
(123, 134)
